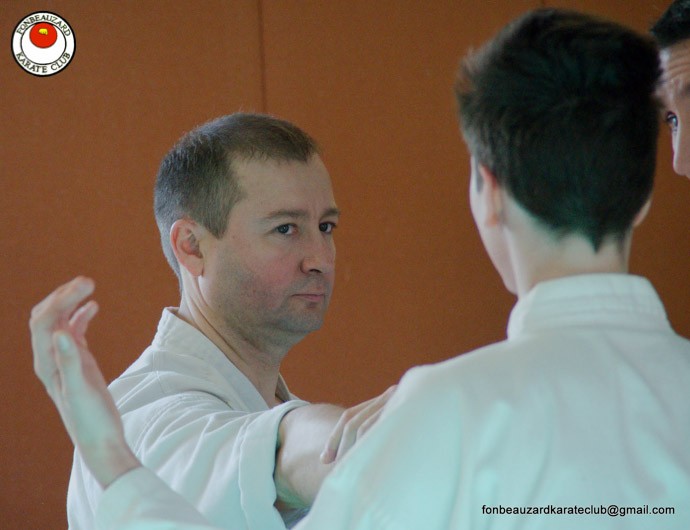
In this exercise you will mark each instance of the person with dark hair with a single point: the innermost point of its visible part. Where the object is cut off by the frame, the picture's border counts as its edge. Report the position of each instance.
(246, 215)
(672, 33)
(584, 408)
(579, 419)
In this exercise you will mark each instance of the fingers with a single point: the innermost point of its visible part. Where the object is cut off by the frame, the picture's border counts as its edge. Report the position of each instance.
(352, 425)
(61, 302)
(79, 322)
(53, 313)
(330, 452)
(367, 424)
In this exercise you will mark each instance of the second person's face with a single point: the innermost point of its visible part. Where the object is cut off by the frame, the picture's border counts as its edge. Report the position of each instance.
(675, 95)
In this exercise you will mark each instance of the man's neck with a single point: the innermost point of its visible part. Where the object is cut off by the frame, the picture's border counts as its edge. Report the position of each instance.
(260, 363)
(537, 255)
(571, 256)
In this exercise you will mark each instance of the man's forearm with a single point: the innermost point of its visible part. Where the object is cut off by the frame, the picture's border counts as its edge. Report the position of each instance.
(303, 434)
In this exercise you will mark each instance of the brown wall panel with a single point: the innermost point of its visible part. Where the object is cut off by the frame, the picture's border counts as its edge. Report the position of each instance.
(79, 153)
(372, 81)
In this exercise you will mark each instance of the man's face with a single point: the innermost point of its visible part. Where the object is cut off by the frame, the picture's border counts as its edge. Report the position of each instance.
(675, 94)
(270, 277)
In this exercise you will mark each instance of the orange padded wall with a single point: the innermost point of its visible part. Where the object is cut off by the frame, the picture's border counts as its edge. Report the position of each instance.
(371, 81)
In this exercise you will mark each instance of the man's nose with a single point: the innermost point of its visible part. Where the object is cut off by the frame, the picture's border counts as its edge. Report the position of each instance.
(319, 255)
(681, 150)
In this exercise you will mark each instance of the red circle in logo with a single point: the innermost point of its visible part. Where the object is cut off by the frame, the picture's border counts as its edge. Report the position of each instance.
(43, 35)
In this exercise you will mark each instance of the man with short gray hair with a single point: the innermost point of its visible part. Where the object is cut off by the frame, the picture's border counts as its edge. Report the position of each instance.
(246, 214)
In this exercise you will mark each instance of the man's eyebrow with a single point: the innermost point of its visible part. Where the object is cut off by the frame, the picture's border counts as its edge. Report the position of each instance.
(299, 214)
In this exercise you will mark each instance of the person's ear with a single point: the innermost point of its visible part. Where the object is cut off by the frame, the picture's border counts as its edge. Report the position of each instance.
(642, 214)
(491, 196)
(185, 236)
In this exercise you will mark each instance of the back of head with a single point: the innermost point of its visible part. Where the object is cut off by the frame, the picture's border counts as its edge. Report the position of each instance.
(561, 107)
(674, 25)
(197, 180)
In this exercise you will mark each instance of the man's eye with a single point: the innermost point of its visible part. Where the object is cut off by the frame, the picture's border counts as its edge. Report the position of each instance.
(327, 227)
(286, 229)
(671, 120)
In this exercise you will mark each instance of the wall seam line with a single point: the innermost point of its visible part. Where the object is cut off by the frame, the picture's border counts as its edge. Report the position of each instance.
(262, 57)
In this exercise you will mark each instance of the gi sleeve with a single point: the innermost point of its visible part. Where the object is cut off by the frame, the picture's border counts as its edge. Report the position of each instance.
(140, 500)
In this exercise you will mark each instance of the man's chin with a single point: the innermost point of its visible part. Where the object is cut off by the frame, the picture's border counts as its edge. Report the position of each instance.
(311, 323)
(302, 324)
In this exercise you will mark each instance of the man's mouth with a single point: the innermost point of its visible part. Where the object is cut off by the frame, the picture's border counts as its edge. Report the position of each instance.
(311, 297)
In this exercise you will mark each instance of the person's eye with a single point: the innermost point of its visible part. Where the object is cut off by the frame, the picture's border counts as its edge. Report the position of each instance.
(672, 121)
(327, 228)
(286, 230)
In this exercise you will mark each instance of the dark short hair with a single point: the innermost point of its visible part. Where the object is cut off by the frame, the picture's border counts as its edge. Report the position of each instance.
(560, 107)
(197, 180)
(674, 25)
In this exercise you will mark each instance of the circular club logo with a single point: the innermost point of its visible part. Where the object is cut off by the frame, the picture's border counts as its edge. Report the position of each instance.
(43, 43)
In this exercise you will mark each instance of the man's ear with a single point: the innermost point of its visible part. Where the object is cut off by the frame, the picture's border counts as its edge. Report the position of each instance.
(642, 214)
(185, 235)
(491, 197)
